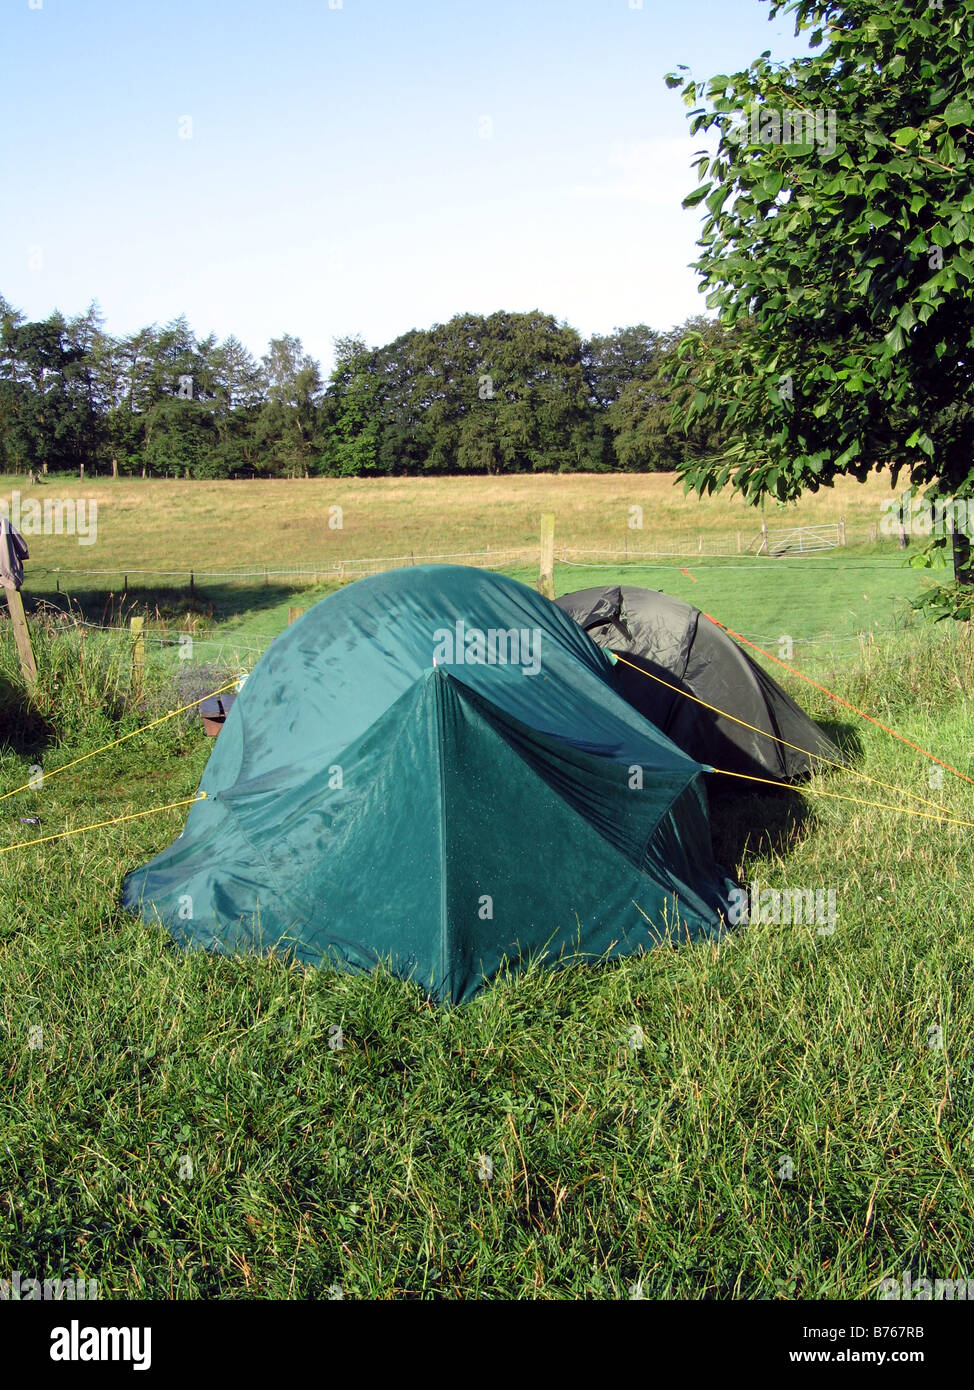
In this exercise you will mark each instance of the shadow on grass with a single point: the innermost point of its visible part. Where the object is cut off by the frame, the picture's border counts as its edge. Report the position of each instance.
(22, 729)
(752, 823)
(215, 602)
(768, 820)
(845, 736)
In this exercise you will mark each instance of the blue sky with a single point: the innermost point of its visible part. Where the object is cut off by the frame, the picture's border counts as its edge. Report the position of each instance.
(363, 167)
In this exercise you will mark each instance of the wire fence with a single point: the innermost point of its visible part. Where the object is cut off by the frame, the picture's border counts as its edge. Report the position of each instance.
(759, 554)
(766, 548)
(315, 572)
(165, 636)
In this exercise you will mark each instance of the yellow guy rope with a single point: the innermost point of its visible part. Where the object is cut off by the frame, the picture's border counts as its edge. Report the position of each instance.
(105, 747)
(118, 820)
(80, 830)
(839, 699)
(846, 767)
(837, 796)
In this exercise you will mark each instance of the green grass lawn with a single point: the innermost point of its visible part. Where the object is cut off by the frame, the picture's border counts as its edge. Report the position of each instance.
(787, 1114)
(825, 603)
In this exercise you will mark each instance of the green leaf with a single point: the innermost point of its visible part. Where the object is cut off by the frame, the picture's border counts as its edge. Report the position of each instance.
(718, 197)
(959, 112)
(697, 195)
(837, 275)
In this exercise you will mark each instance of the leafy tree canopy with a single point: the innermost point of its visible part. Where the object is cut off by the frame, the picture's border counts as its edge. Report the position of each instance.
(839, 241)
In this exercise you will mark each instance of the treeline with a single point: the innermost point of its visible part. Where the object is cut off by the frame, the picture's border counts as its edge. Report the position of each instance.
(508, 393)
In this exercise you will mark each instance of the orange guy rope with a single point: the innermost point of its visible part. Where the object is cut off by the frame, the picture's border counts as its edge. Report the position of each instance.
(832, 695)
(820, 757)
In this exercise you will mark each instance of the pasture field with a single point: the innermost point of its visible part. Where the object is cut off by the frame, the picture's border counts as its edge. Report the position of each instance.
(166, 525)
(150, 534)
(784, 1114)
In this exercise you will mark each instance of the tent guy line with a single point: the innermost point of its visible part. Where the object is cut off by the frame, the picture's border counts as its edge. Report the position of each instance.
(115, 742)
(820, 757)
(942, 818)
(99, 825)
(832, 695)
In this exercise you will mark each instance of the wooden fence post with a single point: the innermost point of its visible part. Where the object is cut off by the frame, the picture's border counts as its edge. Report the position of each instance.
(24, 649)
(842, 530)
(136, 626)
(293, 614)
(546, 578)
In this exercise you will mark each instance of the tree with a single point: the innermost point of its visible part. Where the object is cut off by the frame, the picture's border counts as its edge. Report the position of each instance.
(840, 236)
(179, 428)
(136, 358)
(287, 428)
(10, 386)
(541, 397)
(82, 332)
(645, 438)
(121, 432)
(238, 385)
(611, 361)
(238, 380)
(176, 363)
(47, 425)
(353, 396)
(180, 438)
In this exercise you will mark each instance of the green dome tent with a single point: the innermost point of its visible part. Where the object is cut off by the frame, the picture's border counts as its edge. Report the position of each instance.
(431, 767)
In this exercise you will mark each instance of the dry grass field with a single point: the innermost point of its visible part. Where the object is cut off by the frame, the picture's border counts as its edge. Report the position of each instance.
(165, 525)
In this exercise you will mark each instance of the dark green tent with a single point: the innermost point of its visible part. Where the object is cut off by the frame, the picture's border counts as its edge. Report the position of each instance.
(431, 767)
(762, 732)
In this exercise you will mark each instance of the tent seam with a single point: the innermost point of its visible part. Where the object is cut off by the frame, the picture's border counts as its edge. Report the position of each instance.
(439, 740)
